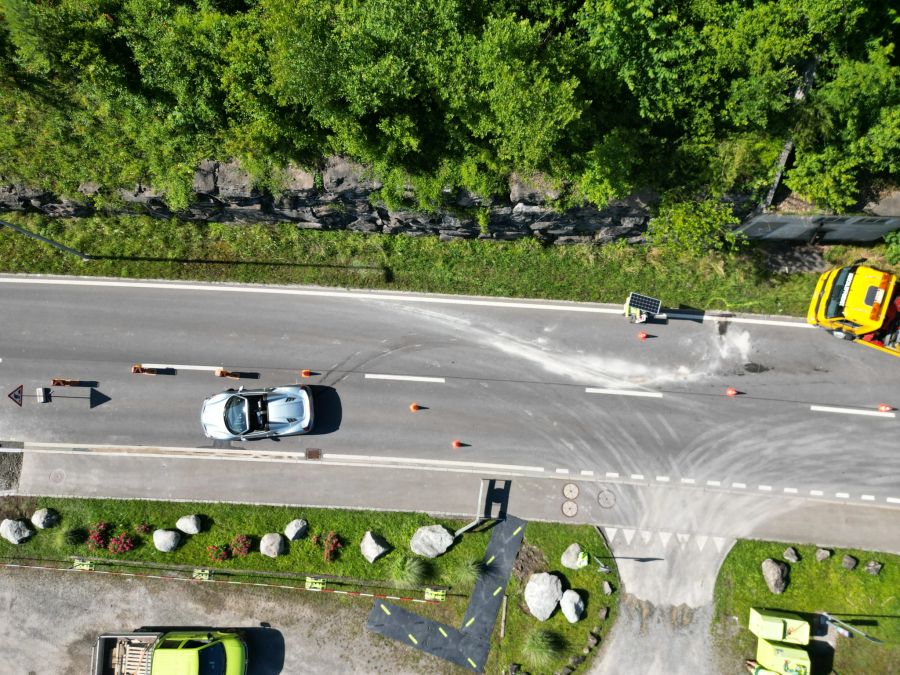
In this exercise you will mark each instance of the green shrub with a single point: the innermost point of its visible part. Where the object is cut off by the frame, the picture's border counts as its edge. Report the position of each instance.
(75, 536)
(541, 648)
(694, 226)
(410, 570)
(892, 252)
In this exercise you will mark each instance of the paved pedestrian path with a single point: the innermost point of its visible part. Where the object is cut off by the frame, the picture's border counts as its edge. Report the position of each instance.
(469, 645)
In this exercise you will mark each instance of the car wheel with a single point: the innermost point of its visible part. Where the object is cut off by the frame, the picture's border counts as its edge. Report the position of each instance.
(841, 335)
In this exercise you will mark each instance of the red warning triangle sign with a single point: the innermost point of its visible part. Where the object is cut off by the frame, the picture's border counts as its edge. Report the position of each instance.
(16, 395)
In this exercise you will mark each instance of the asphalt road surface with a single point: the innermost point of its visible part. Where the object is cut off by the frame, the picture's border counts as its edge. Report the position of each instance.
(511, 380)
(550, 394)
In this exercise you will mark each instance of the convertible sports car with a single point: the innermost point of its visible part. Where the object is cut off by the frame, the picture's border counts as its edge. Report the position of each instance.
(245, 414)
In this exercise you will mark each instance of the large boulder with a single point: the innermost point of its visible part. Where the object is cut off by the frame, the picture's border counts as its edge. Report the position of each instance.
(296, 529)
(542, 593)
(373, 547)
(572, 606)
(189, 524)
(822, 554)
(14, 531)
(431, 541)
(271, 545)
(166, 540)
(44, 518)
(849, 563)
(574, 558)
(790, 554)
(777, 575)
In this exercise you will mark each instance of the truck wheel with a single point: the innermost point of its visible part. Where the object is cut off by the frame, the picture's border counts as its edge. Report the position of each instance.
(841, 335)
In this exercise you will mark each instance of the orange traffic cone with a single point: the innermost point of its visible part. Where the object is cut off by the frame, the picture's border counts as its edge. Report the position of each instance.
(731, 391)
(642, 336)
(305, 373)
(884, 407)
(457, 443)
(414, 407)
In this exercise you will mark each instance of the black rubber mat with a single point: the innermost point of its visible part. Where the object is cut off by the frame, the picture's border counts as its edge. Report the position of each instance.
(468, 646)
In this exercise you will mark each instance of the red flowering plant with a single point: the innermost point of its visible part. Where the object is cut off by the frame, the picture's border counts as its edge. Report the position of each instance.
(144, 528)
(218, 553)
(240, 545)
(333, 546)
(121, 543)
(98, 536)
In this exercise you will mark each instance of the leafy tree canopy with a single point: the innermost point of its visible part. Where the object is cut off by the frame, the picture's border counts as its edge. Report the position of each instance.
(695, 96)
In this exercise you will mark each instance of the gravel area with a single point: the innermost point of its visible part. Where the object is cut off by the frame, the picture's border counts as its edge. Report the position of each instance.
(51, 619)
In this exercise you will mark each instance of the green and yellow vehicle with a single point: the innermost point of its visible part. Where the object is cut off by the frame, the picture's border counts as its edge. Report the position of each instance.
(783, 658)
(173, 653)
(858, 303)
(779, 626)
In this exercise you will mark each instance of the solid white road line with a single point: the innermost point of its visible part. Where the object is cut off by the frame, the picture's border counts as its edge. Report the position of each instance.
(408, 378)
(162, 366)
(740, 319)
(893, 500)
(623, 392)
(391, 297)
(851, 411)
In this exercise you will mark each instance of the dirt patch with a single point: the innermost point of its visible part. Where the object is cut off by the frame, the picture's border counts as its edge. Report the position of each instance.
(530, 560)
(17, 508)
(10, 467)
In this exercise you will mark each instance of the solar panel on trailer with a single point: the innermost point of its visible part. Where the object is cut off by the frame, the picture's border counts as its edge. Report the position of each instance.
(645, 303)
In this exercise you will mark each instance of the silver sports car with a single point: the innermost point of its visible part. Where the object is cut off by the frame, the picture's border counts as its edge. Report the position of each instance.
(245, 414)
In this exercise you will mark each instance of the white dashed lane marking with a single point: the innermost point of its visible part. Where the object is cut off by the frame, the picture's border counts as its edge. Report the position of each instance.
(407, 378)
(851, 411)
(623, 392)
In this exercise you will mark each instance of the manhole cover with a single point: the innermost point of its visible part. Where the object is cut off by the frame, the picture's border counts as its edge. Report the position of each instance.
(57, 476)
(569, 508)
(313, 453)
(570, 490)
(606, 499)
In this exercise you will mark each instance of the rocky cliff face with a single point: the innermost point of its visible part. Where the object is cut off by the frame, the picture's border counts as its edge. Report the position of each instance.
(341, 202)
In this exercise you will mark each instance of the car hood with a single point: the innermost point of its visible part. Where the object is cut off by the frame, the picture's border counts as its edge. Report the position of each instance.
(212, 416)
(289, 410)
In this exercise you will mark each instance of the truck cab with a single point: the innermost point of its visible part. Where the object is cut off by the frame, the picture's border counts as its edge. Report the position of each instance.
(858, 303)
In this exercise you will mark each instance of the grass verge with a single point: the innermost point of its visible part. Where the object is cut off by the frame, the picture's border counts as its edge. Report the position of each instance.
(143, 247)
(871, 603)
(455, 569)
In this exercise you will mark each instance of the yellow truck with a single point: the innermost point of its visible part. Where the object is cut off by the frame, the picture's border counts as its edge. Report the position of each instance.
(146, 652)
(858, 303)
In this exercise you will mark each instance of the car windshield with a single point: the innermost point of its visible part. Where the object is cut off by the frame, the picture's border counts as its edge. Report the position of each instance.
(838, 297)
(236, 415)
(212, 660)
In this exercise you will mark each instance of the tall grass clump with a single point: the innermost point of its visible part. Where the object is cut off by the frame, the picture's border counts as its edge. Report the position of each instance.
(410, 570)
(541, 647)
